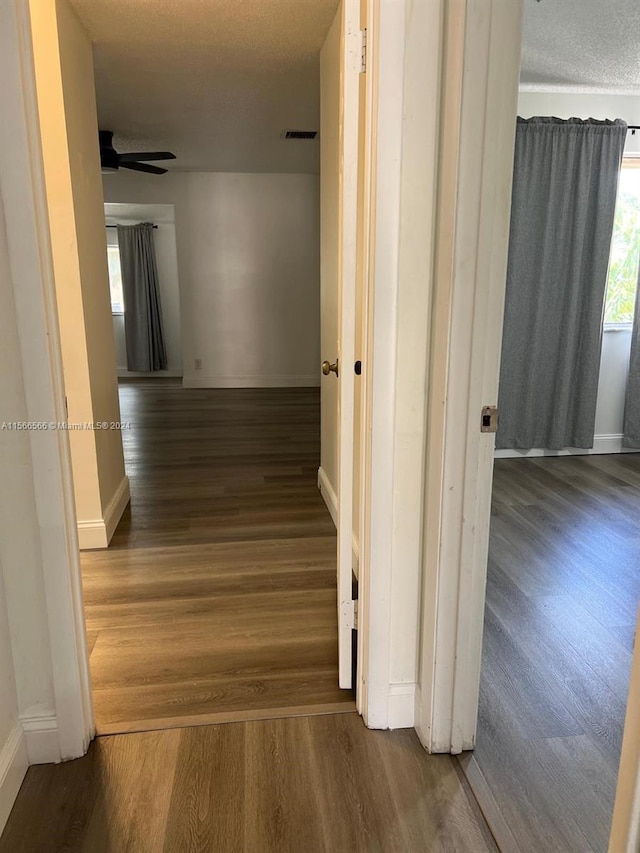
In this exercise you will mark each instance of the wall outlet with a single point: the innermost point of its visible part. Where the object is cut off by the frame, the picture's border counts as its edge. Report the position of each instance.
(197, 364)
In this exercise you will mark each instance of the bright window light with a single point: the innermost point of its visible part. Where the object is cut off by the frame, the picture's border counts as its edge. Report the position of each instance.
(115, 280)
(625, 247)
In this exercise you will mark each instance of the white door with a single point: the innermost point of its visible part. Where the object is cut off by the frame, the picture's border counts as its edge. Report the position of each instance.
(340, 64)
(351, 64)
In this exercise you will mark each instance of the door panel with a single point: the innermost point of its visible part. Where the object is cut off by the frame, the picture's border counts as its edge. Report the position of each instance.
(339, 70)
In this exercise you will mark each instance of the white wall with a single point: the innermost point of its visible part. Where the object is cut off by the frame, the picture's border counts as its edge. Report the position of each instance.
(24, 637)
(13, 756)
(616, 343)
(164, 237)
(248, 263)
(8, 693)
(63, 62)
(19, 535)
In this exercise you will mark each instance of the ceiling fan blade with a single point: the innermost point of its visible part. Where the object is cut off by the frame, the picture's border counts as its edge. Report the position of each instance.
(143, 167)
(130, 157)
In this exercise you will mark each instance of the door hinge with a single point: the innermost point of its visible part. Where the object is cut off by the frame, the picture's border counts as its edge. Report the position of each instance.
(363, 50)
(489, 420)
(349, 612)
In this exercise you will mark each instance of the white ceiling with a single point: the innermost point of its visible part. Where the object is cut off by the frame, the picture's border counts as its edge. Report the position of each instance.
(214, 81)
(217, 81)
(589, 45)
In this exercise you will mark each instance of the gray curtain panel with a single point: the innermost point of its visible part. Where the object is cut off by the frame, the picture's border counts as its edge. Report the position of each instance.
(142, 312)
(564, 192)
(631, 429)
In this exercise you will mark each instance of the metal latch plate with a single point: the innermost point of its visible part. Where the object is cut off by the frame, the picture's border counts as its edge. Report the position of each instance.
(489, 420)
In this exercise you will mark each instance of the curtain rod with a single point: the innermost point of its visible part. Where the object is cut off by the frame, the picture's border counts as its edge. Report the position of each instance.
(145, 223)
(633, 128)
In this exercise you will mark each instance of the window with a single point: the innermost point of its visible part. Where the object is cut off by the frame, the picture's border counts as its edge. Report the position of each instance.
(625, 247)
(115, 280)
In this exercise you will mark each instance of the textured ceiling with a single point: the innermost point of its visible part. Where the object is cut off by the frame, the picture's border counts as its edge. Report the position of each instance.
(217, 81)
(590, 45)
(214, 81)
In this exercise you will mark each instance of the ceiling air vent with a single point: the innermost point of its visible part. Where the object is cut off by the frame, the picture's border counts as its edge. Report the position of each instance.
(299, 134)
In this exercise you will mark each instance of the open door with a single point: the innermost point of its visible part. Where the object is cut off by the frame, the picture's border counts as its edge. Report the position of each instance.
(340, 66)
(352, 46)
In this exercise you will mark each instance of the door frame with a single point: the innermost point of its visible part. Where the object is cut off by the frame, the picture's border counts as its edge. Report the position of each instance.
(64, 731)
(480, 74)
(383, 578)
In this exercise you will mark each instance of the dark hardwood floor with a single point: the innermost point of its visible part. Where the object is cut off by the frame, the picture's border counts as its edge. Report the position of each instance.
(296, 785)
(562, 597)
(216, 600)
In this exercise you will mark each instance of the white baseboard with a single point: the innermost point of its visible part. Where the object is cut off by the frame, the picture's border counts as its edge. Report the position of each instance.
(306, 381)
(116, 506)
(601, 444)
(13, 766)
(328, 494)
(92, 534)
(402, 706)
(97, 532)
(41, 739)
(123, 373)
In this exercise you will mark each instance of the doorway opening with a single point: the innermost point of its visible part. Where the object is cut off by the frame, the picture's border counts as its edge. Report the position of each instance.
(563, 576)
(210, 591)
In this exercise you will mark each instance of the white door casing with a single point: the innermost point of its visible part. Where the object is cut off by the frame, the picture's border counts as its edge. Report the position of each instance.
(383, 130)
(479, 102)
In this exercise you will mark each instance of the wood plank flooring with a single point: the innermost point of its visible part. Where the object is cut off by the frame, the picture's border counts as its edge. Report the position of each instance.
(217, 598)
(297, 785)
(562, 597)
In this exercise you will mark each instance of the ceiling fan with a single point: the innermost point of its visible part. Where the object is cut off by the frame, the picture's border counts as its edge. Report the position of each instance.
(111, 161)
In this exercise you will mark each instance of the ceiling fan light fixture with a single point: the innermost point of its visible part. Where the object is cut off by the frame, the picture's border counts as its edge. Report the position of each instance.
(108, 154)
(111, 161)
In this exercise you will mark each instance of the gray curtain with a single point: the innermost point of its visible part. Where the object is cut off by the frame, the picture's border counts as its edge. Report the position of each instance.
(142, 312)
(631, 429)
(564, 192)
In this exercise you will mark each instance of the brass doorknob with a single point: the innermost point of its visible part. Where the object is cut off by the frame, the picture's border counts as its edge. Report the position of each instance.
(328, 368)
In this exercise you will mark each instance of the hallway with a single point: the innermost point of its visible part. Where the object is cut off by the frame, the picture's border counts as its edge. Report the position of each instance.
(304, 785)
(216, 599)
(216, 603)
